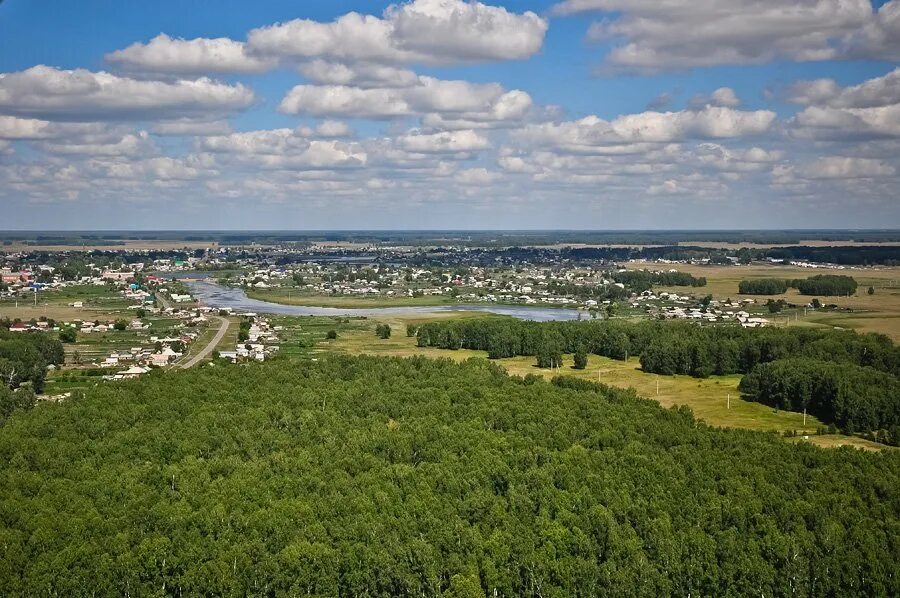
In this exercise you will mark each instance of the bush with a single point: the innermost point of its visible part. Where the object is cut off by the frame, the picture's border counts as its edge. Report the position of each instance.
(120, 325)
(383, 331)
(68, 334)
(581, 359)
(331, 334)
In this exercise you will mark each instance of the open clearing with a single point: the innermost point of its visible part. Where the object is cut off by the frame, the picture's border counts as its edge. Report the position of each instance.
(707, 398)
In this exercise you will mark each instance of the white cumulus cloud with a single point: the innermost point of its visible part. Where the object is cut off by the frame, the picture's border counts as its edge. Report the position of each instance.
(164, 54)
(651, 35)
(49, 93)
(422, 31)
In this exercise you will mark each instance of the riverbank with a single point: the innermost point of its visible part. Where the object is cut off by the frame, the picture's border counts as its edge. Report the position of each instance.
(215, 295)
(285, 297)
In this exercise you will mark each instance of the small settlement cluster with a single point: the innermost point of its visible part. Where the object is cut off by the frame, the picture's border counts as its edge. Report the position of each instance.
(133, 321)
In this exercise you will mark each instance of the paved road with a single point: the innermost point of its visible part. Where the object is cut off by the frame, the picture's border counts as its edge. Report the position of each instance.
(210, 347)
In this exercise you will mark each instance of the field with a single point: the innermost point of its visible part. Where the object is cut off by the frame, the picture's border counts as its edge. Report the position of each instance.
(286, 297)
(707, 398)
(100, 302)
(870, 313)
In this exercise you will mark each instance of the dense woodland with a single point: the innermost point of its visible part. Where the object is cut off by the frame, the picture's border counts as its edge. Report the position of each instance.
(642, 280)
(763, 286)
(681, 348)
(24, 357)
(826, 285)
(390, 477)
(855, 398)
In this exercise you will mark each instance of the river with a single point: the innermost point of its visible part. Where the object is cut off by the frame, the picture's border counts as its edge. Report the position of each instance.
(215, 295)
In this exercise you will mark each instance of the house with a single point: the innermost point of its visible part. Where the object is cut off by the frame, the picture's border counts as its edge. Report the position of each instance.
(120, 276)
(132, 372)
(159, 360)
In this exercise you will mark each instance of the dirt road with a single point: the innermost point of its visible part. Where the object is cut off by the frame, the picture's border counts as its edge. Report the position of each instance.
(223, 329)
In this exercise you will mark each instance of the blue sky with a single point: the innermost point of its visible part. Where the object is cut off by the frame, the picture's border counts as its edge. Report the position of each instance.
(594, 114)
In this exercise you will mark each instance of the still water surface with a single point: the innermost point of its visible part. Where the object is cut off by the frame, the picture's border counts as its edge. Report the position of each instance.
(215, 295)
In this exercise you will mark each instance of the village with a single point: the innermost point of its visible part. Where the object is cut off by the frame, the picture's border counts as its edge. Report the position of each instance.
(122, 324)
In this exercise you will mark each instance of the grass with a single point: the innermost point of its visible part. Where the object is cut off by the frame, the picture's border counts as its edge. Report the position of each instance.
(286, 297)
(865, 313)
(708, 398)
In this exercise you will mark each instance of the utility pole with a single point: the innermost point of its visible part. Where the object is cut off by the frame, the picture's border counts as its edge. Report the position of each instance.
(657, 385)
(729, 401)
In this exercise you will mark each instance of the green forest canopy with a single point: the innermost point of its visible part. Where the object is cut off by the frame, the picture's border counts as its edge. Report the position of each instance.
(827, 285)
(390, 477)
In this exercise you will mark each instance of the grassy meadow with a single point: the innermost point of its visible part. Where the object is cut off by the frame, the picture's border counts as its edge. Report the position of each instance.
(708, 398)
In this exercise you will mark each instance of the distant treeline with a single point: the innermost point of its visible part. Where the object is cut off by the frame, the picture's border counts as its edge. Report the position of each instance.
(827, 285)
(855, 398)
(642, 280)
(849, 256)
(668, 347)
(506, 238)
(664, 347)
(763, 286)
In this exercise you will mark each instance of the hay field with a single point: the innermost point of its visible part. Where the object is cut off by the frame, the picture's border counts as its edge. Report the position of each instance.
(707, 398)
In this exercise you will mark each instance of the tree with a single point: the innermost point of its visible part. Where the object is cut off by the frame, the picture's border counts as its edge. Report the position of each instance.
(331, 334)
(871, 291)
(763, 286)
(816, 304)
(581, 359)
(827, 285)
(68, 334)
(383, 331)
(120, 325)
